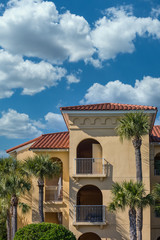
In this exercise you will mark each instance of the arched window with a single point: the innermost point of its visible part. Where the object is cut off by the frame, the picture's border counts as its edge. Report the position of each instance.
(89, 206)
(54, 186)
(157, 165)
(89, 157)
(89, 236)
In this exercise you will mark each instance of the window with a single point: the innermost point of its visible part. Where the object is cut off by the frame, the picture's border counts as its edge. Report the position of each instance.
(157, 165)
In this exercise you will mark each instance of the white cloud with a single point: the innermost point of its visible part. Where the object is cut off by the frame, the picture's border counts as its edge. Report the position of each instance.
(72, 79)
(31, 77)
(145, 91)
(55, 121)
(155, 12)
(35, 28)
(17, 125)
(116, 32)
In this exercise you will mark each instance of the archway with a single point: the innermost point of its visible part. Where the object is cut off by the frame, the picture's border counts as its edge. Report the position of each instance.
(157, 165)
(90, 205)
(89, 157)
(89, 236)
(54, 185)
(89, 195)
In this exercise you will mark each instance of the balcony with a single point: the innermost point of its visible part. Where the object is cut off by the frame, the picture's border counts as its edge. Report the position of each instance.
(54, 193)
(89, 215)
(89, 167)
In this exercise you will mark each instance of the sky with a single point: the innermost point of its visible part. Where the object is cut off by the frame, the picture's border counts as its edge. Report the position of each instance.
(71, 52)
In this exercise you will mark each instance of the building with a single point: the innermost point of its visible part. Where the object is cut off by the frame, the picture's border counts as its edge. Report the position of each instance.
(93, 158)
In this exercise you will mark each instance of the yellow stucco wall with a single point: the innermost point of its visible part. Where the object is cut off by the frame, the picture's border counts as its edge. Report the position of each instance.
(32, 199)
(120, 159)
(155, 221)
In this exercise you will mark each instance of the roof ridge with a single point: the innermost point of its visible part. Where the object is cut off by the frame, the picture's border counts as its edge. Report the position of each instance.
(119, 104)
(54, 133)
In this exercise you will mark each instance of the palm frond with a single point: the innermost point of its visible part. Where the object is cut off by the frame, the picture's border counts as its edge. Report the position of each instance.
(133, 125)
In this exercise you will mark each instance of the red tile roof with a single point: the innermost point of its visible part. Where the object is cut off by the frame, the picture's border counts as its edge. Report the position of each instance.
(107, 106)
(155, 134)
(22, 145)
(58, 140)
(52, 141)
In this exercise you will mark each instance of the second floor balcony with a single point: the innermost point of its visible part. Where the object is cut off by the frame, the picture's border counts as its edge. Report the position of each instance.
(89, 167)
(89, 215)
(89, 161)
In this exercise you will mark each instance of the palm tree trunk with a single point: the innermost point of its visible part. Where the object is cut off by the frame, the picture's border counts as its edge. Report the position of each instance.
(132, 220)
(41, 186)
(137, 146)
(8, 224)
(14, 203)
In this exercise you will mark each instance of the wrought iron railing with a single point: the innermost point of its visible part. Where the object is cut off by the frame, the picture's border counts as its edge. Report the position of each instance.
(89, 214)
(157, 172)
(89, 166)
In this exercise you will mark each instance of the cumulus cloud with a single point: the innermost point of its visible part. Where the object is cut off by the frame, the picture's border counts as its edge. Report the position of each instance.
(55, 121)
(31, 77)
(145, 91)
(116, 32)
(72, 79)
(17, 125)
(34, 28)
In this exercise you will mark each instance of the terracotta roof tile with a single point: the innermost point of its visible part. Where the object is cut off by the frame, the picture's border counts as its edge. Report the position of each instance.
(52, 141)
(155, 134)
(58, 140)
(22, 145)
(107, 106)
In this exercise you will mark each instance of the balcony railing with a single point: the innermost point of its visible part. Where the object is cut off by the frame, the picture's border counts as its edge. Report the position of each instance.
(89, 167)
(91, 214)
(157, 172)
(54, 193)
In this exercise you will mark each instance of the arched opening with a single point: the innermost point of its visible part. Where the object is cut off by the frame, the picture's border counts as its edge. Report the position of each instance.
(54, 185)
(158, 238)
(89, 206)
(89, 236)
(89, 157)
(89, 195)
(157, 165)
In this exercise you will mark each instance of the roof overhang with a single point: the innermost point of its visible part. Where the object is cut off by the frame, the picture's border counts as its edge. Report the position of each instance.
(76, 113)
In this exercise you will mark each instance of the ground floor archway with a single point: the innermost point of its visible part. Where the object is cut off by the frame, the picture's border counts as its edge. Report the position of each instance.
(89, 236)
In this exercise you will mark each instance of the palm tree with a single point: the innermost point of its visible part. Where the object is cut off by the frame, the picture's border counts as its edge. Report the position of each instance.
(14, 183)
(131, 195)
(41, 166)
(132, 127)
(3, 222)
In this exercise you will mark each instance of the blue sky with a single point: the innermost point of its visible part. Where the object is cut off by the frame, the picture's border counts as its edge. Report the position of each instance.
(70, 52)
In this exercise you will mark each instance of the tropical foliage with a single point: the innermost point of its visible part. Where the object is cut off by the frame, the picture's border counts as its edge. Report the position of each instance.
(14, 183)
(42, 166)
(44, 231)
(133, 196)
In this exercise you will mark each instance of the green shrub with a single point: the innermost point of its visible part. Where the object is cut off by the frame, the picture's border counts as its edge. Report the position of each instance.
(3, 230)
(44, 231)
